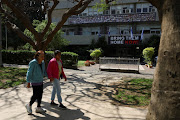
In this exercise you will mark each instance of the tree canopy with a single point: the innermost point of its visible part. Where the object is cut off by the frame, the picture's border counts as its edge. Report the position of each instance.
(58, 41)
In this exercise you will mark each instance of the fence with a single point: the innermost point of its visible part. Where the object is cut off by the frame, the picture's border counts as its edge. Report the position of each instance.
(134, 17)
(119, 64)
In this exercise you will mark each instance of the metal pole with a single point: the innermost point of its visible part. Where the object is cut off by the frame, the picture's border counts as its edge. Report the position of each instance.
(0, 44)
(6, 35)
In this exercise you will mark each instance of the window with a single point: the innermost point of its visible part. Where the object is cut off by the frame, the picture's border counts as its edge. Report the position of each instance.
(150, 8)
(121, 32)
(118, 12)
(106, 12)
(145, 10)
(90, 13)
(80, 31)
(67, 32)
(80, 14)
(95, 13)
(100, 13)
(146, 31)
(131, 10)
(158, 32)
(153, 32)
(71, 31)
(113, 12)
(126, 32)
(92, 33)
(124, 9)
(127, 10)
(153, 10)
(138, 10)
(84, 14)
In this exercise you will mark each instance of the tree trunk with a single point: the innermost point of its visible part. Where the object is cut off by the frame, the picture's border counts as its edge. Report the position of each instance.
(165, 94)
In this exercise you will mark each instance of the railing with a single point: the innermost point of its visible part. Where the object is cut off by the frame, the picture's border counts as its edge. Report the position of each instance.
(134, 17)
(117, 63)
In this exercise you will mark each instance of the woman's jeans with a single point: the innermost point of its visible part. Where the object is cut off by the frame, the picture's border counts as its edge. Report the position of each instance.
(56, 89)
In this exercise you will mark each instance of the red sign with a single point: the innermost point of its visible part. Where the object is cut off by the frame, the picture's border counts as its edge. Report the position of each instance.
(131, 42)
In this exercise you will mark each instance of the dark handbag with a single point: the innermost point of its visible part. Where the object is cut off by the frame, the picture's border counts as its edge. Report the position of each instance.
(61, 76)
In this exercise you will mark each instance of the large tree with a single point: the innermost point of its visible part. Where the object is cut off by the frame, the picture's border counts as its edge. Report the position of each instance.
(165, 95)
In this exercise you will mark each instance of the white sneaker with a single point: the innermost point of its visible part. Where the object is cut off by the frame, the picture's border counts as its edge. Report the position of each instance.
(40, 110)
(29, 109)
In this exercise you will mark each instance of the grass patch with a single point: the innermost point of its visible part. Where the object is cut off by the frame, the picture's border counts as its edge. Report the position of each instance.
(10, 77)
(81, 63)
(135, 92)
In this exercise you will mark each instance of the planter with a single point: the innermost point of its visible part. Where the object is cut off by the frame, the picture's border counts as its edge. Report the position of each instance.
(87, 63)
(149, 66)
(92, 63)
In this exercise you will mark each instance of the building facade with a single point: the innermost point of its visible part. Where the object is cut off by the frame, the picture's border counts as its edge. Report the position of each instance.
(125, 25)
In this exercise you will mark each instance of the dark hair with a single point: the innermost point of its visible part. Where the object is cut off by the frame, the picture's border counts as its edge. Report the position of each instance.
(56, 52)
(37, 54)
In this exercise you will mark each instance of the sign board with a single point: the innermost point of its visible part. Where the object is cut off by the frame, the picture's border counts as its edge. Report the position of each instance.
(124, 40)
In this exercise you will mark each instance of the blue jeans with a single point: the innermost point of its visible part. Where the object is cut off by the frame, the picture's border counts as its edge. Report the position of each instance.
(56, 89)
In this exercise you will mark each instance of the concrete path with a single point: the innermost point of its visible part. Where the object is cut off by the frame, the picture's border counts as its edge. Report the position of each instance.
(82, 94)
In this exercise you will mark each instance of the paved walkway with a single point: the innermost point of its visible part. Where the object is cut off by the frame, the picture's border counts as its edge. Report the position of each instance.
(81, 94)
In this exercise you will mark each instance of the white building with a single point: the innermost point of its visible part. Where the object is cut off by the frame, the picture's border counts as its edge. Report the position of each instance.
(117, 21)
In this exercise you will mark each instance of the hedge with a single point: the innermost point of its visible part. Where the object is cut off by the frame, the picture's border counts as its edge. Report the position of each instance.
(23, 57)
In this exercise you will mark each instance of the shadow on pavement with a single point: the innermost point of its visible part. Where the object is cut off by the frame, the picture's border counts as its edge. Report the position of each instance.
(69, 114)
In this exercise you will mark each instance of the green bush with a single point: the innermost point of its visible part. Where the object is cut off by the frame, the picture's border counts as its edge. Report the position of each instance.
(17, 57)
(95, 54)
(148, 55)
(69, 59)
(154, 42)
(27, 46)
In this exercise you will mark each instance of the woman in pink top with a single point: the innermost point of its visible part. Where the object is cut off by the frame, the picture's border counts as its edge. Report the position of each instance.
(55, 72)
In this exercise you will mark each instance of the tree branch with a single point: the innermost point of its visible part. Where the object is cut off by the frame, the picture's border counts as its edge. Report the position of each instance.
(156, 3)
(45, 4)
(20, 33)
(82, 8)
(9, 16)
(50, 17)
(22, 16)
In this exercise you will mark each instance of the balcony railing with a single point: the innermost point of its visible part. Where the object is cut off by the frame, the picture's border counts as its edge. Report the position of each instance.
(135, 17)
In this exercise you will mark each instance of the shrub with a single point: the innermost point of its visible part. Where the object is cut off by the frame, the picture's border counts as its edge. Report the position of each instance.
(17, 57)
(95, 54)
(70, 59)
(148, 55)
(153, 41)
